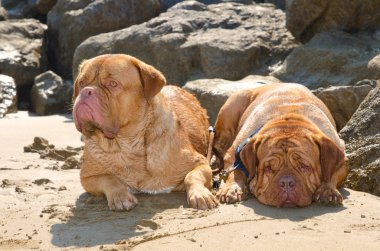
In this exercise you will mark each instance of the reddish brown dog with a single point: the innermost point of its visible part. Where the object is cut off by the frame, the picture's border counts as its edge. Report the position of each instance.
(139, 135)
(295, 154)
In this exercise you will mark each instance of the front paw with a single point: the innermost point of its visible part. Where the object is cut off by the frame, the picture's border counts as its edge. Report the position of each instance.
(328, 195)
(231, 193)
(200, 197)
(121, 200)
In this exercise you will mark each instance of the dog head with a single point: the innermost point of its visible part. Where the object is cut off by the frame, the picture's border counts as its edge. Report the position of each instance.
(112, 91)
(287, 163)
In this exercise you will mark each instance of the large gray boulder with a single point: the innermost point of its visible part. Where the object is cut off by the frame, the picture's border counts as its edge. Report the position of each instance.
(333, 58)
(71, 22)
(50, 94)
(8, 95)
(22, 50)
(307, 18)
(343, 101)
(213, 93)
(362, 137)
(194, 40)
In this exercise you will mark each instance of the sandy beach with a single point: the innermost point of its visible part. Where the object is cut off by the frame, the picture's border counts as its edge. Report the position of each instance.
(44, 207)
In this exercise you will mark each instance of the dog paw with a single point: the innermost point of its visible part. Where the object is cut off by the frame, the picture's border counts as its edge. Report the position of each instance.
(328, 195)
(121, 200)
(231, 193)
(201, 198)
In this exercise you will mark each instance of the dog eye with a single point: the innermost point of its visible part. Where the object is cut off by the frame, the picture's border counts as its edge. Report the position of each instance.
(81, 84)
(112, 83)
(268, 170)
(305, 168)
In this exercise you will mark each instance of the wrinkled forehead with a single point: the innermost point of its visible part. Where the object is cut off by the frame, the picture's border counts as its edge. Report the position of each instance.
(109, 66)
(295, 144)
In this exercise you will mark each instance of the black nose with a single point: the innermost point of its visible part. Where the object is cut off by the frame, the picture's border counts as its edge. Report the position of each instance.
(287, 183)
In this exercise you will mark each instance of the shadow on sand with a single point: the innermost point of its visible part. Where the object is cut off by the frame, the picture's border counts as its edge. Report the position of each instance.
(294, 214)
(92, 223)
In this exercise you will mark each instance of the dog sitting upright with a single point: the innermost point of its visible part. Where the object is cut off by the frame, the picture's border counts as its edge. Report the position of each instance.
(281, 141)
(139, 135)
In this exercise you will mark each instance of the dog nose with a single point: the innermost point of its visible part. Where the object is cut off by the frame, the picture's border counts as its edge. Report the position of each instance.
(88, 91)
(287, 183)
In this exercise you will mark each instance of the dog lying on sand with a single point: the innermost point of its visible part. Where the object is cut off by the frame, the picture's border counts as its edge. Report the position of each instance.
(280, 142)
(139, 135)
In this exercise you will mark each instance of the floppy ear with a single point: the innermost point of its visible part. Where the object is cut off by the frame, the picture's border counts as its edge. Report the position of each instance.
(248, 156)
(75, 91)
(152, 80)
(331, 157)
(76, 88)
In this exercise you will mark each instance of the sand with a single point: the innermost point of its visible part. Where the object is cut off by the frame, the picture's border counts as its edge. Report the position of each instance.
(44, 207)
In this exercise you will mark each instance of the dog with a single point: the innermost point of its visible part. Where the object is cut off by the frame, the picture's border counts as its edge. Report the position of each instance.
(279, 141)
(139, 135)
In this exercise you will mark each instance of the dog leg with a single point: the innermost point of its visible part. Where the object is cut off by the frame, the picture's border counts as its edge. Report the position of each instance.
(234, 189)
(197, 184)
(118, 196)
(227, 122)
(327, 192)
(334, 169)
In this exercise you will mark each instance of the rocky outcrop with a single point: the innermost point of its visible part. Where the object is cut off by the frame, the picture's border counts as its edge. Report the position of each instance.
(213, 93)
(71, 22)
(8, 95)
(333, 58)
(50, 94)
(194, 40)
(22, 50)
(18, 9)
(362, 137)
(343, 101)
(307, 18)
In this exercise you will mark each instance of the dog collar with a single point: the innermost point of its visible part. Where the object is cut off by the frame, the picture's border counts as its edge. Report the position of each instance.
(238, 164)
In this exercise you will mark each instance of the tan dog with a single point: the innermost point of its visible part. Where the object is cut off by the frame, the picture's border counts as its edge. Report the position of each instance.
(294, 154)
(139, 136)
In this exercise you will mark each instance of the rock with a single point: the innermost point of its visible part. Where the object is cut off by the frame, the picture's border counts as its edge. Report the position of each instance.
(19, 9)
(166, 4)
(22, 50)
(71, 163)
(50, 94)
(194, 40)
(304, 19)
(362, 137)
(71, 22)
(8, 95)
(39, 144)
(62, 188)
(213, 93)
(42, 181)
(333, 58)
(343, 101)
(6, 183)
(3, 13)
(48, 151)
(19, 189)
(44, 6)
(278, 3)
